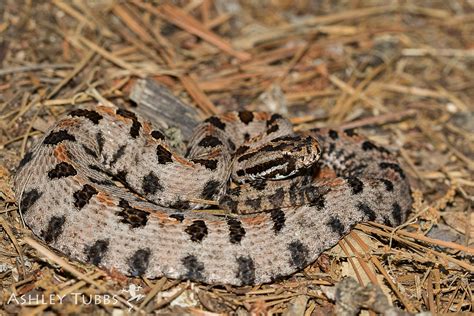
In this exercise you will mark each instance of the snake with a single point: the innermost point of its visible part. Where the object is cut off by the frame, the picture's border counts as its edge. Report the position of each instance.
(103, 186)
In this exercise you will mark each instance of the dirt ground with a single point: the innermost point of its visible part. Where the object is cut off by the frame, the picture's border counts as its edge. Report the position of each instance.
(399, 72)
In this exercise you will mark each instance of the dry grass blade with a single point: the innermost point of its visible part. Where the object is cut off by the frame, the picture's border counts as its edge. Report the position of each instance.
(198, 95)
(155, 290)
(405, 301)
(12, 237)
(12, 70)
(74, 13)
(420, 237)
(126, 16)
(180, 18)
(107, 55)
(83, 63)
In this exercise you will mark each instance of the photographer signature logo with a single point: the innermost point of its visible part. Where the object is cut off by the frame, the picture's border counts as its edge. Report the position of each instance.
(133, 291)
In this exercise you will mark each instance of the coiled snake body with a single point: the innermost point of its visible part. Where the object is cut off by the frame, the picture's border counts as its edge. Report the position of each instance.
(103, 187)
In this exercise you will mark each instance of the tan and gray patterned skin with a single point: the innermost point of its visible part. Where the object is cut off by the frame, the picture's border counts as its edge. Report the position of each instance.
(103, 187)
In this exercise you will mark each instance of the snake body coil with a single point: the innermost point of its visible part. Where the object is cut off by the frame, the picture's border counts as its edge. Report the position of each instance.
(103, 187)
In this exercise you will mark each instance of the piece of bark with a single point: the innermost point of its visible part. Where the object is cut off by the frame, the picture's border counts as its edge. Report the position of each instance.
(157, 104)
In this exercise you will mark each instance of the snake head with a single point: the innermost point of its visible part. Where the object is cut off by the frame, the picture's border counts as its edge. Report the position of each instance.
(281, 158)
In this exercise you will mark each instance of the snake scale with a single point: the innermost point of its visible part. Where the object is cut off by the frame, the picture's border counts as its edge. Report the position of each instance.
(102, 186)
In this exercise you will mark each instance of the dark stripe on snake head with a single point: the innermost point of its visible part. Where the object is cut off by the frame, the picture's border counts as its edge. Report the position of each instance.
(276, 199)
(299, 254)
(197, 230)
(245, 270)
(97, 251)
(211, 188)
(151, 184)
(266, 148)
(207, 163)
(83, 196)
(210, 141)
(368, 212)
(29, 199)
(194, 268)
(247, 156)
(92, 116)
(242, 149)
(333, 134)
(62, 170)
(236, 231)
(336, 226)
(395, 167)
(215, 121)
(27, 158)
(157, 135)
(356, 185)
(55, 138)
(278, 219)
(164, 155)
(138, 263)
(246, 117)
(275, 147)
(286, 170)
(178, 217)
(388, 184)
(134, 217)
(54, 229)
(397, 213)
(271, 168)
(246, 136)
(286, 138)
(136, 125)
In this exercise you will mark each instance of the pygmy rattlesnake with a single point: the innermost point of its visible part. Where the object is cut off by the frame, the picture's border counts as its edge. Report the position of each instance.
(103, 187)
